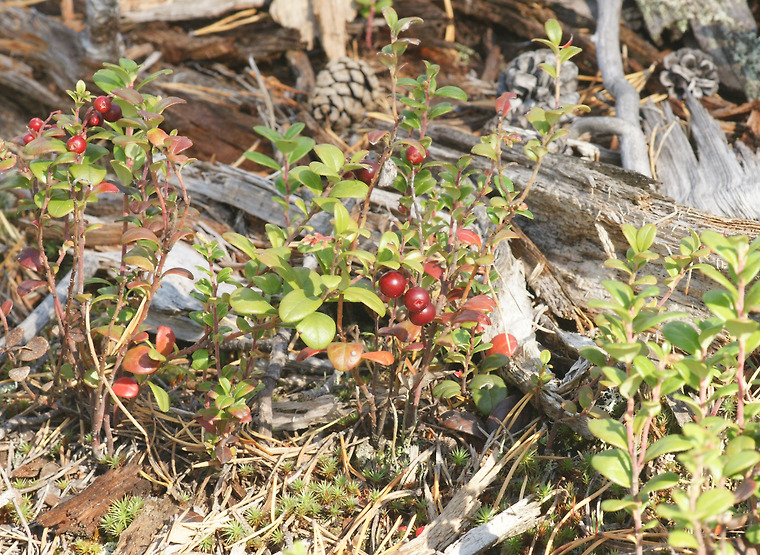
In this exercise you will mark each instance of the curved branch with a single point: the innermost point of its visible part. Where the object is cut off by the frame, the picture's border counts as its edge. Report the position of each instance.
(633, 147)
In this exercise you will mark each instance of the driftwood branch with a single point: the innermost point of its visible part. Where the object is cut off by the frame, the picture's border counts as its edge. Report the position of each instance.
(277, 359)
(633, 145)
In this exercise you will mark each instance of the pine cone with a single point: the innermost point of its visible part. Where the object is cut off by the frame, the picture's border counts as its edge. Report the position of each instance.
(692, 70)
(534, 87)
(344, 91)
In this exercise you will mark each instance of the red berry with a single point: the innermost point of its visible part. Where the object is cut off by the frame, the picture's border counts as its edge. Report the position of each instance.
(367, 174)
(95, 119)
(504, 343)
(28, 138)
(392, 284)
(35, 124)
(113, 114)
(417, 299)
(102, 104)
(76, 144)
(423, 317)
(414, 156)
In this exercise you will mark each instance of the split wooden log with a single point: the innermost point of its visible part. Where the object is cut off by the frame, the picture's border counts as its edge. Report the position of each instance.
(715, 178)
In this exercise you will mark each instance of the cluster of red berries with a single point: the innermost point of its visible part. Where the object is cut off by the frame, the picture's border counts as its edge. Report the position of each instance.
(416, 299)
(103, 108)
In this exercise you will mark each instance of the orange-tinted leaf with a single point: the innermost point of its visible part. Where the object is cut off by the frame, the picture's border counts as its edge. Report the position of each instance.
(413, 347)
(140, 337)
(483, 303)
(404, 331)
(126, 387)
(307, 352)
(135, 233)
(6, 307)
(29, 285)
(177, 144)
(138, 361)
(345, 356)
(469, 237)
(165, 340)
(504, 343)
(31, 259)
(433, 269)
(105, 187)
(179, 272)
(385, 358)
(157, 136)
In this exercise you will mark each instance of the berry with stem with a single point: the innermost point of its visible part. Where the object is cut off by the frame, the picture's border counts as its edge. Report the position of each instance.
(392, 284)
(76, 144)
(102, 104)
(28, 138)
(35, 124)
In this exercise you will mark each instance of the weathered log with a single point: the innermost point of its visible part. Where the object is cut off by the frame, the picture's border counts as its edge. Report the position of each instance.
(578, 209)
(142, 11)
(715, 177)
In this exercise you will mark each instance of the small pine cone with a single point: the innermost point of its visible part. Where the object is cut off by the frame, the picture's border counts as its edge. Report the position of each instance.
(689, 70)
(344, 91)
(534, 87)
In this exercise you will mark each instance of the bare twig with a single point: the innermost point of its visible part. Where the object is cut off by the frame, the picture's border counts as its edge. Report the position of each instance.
(277, 360)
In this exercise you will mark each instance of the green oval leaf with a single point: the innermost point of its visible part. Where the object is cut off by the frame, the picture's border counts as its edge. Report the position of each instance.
(487, 391)
(610, 431)
(615, 465)
(740, 462)
(161, 397)
(447, 389)
(661, 481)
(368, 298)
(317, 330)
(350, 188)
(248, 302)
(295, 306)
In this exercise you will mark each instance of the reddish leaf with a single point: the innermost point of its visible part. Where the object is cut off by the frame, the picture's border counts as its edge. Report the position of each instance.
(483, 303)
(404, 332)
(177, 144)
(179, 272)
(6, 307)
(29, 285)
(414, 347)
(165, 340)
(463, 422)
(308, 352)
(31, 259)
(433, 269)
(345, 356)
(137, 284)
(374, 136)
(126, 387)
(157, 136)
(455, 294)
(241, 412)
(469, 237)
(381, 357)
(140, 337)
(105, 187)
(504, 343)
(135, 233)
(502, 103)
(467, 315)
(446, 318)
(138, 361)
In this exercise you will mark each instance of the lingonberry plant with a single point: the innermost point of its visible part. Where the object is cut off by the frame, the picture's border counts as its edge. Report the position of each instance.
(104, 351)
(702, 364)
